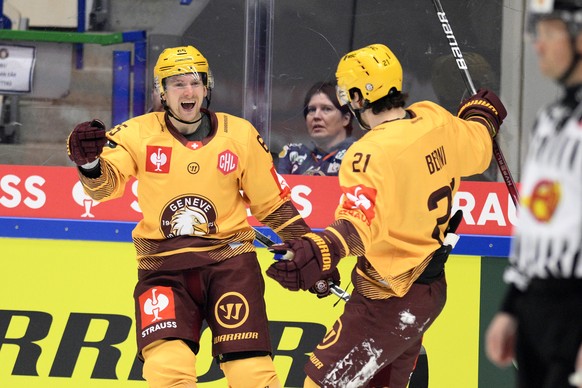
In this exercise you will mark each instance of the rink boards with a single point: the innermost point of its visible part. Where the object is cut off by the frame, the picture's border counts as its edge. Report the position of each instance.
(66, 310)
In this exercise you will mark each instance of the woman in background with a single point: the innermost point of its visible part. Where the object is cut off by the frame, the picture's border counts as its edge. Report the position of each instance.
(330, 128)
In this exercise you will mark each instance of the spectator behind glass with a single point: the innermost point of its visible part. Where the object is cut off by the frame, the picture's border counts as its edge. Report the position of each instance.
(330, 127)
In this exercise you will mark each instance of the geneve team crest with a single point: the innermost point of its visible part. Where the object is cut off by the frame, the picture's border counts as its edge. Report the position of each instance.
(188, 215)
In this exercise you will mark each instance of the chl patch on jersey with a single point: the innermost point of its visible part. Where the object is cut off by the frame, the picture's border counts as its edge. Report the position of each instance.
(158, 159)
(359, 198)
(188, 215)
(227, 162)
(156, 305)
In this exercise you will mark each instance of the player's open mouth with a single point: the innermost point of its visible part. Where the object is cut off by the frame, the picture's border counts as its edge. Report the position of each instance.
(188, 105)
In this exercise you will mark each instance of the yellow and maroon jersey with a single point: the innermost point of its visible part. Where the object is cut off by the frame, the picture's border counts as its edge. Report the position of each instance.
(398, 182)
(193, 195)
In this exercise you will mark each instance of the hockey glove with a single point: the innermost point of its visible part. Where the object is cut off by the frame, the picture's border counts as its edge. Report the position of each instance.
(308, 259)
(484, 107)
(86, 141)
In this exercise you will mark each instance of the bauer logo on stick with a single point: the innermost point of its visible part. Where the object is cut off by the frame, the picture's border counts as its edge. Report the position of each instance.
(452, 40)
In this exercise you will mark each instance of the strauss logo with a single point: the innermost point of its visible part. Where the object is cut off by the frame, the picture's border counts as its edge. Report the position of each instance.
(158, 159)
(155, 304)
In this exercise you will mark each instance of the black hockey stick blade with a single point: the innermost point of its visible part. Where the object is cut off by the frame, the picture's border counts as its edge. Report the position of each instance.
(454, 222)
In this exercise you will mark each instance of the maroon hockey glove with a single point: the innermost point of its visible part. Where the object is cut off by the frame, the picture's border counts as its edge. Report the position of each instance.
(86, 141)
(484, 107)
(308, 259)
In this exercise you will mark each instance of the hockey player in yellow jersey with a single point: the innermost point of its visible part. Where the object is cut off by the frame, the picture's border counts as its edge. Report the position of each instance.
(197, 173)
(398, 182)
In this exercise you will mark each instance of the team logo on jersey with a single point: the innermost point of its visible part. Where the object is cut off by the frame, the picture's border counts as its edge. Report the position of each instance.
(296, 158)
(359, 199)
(544, 200)
(158, 159)
(333, 168)
(189, 215)
(231, 310)
(227, 162)
(283, 152)
(157, 309)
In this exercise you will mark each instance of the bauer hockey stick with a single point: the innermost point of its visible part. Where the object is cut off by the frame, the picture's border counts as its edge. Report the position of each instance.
(462, 65)
(321, 285)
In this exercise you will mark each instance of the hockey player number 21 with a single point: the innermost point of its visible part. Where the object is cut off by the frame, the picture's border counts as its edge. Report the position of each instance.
(445, 192)
(360, 163)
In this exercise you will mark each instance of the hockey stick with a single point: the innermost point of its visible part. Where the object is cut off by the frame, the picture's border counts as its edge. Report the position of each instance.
(320, 284)
(462, 65)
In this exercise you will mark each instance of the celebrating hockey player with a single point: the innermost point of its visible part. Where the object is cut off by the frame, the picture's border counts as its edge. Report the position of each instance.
(539, 325)
(398, 183)
(195, 253)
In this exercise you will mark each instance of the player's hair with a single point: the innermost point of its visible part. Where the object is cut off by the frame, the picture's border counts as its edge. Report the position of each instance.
(329, 89)
(394, 99)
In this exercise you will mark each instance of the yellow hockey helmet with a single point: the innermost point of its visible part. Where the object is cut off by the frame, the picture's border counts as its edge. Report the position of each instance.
(181, 60)
(374, 70)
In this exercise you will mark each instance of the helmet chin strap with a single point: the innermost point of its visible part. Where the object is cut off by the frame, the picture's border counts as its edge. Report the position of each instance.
(358, 114)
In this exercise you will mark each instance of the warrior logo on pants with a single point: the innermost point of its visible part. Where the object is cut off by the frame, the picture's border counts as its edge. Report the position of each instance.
(231, 310)
(332, 335)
